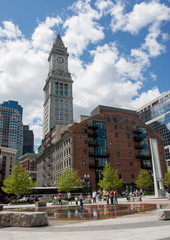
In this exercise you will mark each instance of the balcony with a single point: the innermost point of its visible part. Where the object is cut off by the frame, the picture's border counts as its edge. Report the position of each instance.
(139, 147)
(137, 131)
(137, 139)
(101, 155)
(92, 144)
(93, 135)
(147, 157)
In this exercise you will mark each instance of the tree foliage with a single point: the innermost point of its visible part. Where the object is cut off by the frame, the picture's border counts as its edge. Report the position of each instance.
(19, 182)
(144, 179)
(167, 178)
(68, 180)
(110, 178)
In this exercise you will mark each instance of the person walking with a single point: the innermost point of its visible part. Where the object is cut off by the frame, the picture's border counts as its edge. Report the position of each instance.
(111, 196)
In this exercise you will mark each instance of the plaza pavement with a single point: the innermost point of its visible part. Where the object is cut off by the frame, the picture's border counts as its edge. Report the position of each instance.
(142, 226)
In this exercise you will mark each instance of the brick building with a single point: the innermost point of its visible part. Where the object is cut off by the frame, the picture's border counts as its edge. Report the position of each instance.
(28, 161)
(109, 135)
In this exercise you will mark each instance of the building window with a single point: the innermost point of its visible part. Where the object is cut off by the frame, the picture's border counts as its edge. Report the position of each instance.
(128, 135)
(126, 120)
(84, 151)
(118, 163)
(108, 119)
(120, 176)
(85, 141)
(110, 143)
(131, 163)
(114, 119)
(115, 126)
(116, 134)
(130, 154)
(117, 144)
(118, 154)
(127, 128)
(84, 162)
(132, 176)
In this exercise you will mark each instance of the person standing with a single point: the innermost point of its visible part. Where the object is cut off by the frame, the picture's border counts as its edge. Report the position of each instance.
(111, 196)
(59, 199)
(141, 192)
(94, 196)
(81, 200)
(69, 197)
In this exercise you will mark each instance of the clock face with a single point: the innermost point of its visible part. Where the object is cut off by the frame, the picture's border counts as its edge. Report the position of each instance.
(60, 60)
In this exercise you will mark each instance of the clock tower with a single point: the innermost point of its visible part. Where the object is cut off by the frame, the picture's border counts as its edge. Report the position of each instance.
(58, 100)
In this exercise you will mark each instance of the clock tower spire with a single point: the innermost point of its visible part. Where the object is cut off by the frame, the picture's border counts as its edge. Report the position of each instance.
(58, 100)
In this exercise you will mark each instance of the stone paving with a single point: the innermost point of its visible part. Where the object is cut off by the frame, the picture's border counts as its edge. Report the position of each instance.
(145, 226)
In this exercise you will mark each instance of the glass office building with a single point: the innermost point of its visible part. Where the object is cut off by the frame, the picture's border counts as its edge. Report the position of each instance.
(11, 126)
(156, 114)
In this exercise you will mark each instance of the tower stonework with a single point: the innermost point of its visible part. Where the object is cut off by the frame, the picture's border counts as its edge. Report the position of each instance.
(58, 100)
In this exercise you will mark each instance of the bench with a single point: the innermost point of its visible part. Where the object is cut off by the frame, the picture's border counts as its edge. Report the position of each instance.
(23, 219)
(163, 214)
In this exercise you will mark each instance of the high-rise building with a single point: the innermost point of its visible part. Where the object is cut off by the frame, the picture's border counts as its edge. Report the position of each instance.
(28, 140)
(11, 126)
(58, 101)
(156, 114)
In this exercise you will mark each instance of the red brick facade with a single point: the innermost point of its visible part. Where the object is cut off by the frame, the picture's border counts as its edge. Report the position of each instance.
(122, 148)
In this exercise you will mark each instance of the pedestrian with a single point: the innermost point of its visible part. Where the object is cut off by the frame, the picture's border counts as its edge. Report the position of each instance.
(76, 200)
(69, 197)
(59, 199)
(111, 196)
(115, 201)
(141, 192)
(100, 194)
(127, 194)
(81, 200)
(94, 196)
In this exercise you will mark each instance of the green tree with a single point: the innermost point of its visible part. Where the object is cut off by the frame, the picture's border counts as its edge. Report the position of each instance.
(167, 178)
(68, 180)
(110, 178)
(19, 182)
(144, 179)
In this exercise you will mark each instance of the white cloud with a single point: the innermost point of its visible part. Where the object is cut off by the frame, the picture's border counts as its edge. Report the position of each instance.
(145, 97)
(143, 14)
(106, 77)
(24, 68)
(82, 28)
(9, 30)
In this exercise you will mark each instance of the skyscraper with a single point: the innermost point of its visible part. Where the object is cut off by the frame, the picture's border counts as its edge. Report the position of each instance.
(156, 114)
(58, 101)
(28, 140)
(11, 126)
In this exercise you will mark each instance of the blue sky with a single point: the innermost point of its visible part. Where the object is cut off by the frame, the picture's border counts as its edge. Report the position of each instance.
(119, 52)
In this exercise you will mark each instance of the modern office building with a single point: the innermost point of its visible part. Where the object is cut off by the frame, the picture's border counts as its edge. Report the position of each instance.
(7, 162)
(28, 161)
(11, 126)
(156, 114)
(109, 135)
(58, 101)
(28, 140)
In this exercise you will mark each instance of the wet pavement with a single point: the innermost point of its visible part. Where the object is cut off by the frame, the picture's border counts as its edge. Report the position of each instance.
(140, 225)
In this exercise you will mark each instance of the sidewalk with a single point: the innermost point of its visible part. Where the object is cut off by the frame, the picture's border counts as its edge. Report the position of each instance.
(139, 226)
